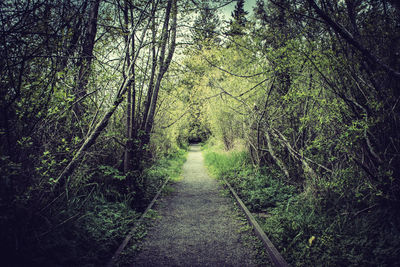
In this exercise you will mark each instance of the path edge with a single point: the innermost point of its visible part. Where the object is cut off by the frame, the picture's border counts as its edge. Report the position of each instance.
(273, 254)
(138, 223)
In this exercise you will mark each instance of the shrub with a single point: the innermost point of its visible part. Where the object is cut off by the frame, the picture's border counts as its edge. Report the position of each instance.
(321, 225)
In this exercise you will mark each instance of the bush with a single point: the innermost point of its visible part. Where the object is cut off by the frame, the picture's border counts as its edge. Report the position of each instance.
(89, 240)
(259, 189)
(84, 225)
(312, 227)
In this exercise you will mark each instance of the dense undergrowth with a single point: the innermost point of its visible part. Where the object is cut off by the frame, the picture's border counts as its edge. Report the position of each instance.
(309, 228)
(310, 88)
(88, 228)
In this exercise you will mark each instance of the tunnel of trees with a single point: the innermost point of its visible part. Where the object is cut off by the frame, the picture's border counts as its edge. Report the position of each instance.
(296, 100)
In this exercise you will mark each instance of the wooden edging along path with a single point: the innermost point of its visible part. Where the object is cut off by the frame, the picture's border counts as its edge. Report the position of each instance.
(275, 257)
(138, 222)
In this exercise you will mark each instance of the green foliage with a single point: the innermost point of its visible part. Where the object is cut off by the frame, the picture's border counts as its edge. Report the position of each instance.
(104, 225)
(49, 166)
(205, 26)
(227, 165)
(312, 228)
(260, 189)
(85, 225)
(238, 19)
(358, 239)
(169, 166)
(111, 172)
(88, 240)
(283, 94)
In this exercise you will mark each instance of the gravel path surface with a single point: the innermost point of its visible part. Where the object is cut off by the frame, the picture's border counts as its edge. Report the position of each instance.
(198, 225)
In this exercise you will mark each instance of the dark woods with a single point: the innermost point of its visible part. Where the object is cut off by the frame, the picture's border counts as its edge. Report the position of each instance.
(66, 67)
(309, 91)
(97, 96)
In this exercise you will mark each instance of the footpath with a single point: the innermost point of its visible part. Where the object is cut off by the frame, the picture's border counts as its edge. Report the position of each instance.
(198, 226)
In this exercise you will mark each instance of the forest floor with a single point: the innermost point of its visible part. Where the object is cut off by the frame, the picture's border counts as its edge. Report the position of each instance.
(197, 225)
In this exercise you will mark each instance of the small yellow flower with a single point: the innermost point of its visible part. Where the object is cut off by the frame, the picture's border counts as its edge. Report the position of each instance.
(310, 240)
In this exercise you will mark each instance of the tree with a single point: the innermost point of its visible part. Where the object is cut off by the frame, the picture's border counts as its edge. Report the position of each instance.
(131, 94)
(238, 21)
(165, 57)
(85, 61)
(205, 26)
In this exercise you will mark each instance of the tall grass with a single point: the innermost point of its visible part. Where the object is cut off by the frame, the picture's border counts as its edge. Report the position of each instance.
(309, 229)
(96, 221)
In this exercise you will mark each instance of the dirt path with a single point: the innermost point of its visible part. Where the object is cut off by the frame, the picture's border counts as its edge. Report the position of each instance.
(198, 225)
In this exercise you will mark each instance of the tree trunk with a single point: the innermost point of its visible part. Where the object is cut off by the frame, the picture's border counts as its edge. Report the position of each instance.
(130, 125)
(164, 62)
(91, 139)
(349, 38)
(76, 28)
(85, 61)
(278, 162)
(153, 69)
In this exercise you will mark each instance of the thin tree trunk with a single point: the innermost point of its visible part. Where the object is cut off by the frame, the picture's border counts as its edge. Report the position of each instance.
(306, 167)
(69, 169)
(77, 32)
(346, 35)
(130, 125)
(164, 62)
(127, 154)
(86, 57)
(278, 162)
(126, 83)
(153, 70)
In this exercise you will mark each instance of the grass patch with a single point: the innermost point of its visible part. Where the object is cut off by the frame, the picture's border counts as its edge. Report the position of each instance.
(153, 177)
(86, 228)
(168, 190)
(308, 228)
